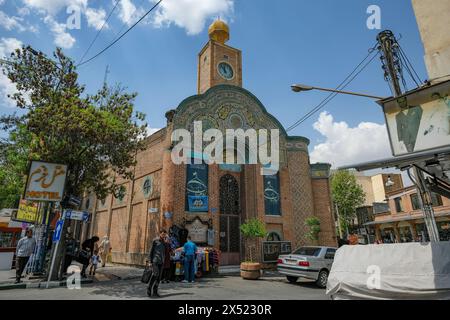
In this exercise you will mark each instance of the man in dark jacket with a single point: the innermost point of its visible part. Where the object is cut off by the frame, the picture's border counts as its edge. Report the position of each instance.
(156, 260)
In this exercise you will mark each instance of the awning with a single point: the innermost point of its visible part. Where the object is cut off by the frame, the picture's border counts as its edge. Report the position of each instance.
(406, 218)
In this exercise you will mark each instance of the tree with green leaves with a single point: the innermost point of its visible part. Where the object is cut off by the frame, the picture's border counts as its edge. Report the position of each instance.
(347, 195)
(96, 135)
(313, 224)
(253, 229)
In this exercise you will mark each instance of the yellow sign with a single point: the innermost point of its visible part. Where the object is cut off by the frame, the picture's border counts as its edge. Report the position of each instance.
(28, 212)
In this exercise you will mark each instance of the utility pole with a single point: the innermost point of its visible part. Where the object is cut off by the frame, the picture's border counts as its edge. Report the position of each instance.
(393, 73)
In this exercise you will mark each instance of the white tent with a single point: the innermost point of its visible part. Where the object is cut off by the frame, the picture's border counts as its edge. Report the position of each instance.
(391, 271)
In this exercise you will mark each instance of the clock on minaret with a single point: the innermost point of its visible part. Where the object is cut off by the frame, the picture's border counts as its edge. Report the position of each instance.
(219, 63)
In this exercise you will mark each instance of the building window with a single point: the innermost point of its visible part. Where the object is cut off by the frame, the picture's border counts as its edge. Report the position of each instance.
(273, 236)
(436, 200)
(415, 201)
(398, 204)
(147, 187)
(272, 195)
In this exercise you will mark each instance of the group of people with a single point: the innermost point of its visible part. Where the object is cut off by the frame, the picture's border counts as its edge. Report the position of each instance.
(159, 260)
(92, 254)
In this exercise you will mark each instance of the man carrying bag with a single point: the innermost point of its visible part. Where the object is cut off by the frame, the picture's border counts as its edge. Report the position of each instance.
(156, 262)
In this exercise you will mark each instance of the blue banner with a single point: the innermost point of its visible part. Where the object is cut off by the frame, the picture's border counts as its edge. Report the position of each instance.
(198, 203)
(272, 195)
(196, 182)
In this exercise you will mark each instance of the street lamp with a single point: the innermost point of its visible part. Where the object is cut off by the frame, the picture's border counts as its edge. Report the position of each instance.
(302, 87)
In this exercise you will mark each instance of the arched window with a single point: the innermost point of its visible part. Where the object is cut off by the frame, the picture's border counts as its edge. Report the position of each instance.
(273, 236)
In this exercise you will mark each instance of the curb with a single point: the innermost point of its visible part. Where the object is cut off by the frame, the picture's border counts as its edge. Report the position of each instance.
(41, 284)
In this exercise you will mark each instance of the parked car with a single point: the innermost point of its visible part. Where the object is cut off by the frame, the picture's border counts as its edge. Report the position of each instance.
(307, 262)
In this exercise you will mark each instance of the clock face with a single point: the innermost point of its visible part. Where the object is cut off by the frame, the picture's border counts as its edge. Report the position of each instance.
(225, 70)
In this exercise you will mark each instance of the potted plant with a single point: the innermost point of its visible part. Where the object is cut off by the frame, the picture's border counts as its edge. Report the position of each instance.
(252, 230)
(313, 224)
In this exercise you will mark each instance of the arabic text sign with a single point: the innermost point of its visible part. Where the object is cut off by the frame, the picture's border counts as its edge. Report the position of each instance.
(46, 181)
(419, 121)
(76, 215)
(28, 212)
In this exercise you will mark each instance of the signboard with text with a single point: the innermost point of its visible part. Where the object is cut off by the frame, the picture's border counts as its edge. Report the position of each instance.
(420, 120)
(28, 212)
(273, 249)
(45, 181)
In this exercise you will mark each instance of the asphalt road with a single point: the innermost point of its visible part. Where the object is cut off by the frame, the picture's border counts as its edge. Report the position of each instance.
(218, 288)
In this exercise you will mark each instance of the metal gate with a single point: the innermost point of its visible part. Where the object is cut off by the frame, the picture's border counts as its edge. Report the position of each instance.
(229, 220)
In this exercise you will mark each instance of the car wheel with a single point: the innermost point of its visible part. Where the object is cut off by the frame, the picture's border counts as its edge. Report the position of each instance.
(292, 279)
(322, 279)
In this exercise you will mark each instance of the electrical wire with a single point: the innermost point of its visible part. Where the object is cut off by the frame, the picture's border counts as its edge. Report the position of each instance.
(341, 86)
(99, 31)
(122, 35)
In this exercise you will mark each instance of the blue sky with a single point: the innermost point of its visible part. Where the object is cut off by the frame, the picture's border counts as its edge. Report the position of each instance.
(283, 42)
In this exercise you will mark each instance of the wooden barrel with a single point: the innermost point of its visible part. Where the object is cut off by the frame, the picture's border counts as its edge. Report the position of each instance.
(250, 271)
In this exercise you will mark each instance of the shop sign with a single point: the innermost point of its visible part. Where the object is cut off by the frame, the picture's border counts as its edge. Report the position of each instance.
(198, 203)
(273, 249)
(27, 212)
(45, 181)
(198, 231)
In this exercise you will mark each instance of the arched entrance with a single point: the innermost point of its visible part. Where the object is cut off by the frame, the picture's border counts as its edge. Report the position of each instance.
(230, 211)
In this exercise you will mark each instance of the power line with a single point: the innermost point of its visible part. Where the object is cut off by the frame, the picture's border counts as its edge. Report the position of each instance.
(341, 86)
(99, 31)
(121, 36)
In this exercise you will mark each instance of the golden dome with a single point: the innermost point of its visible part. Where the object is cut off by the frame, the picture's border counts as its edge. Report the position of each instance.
(219, 31)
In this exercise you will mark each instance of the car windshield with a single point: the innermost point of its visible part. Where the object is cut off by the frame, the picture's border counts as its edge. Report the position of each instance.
(307, 251)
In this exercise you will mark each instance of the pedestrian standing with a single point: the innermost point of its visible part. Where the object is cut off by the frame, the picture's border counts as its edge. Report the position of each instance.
(167, 263)
(25, 248)
(95, 259)
(104, 247)
(190, 249)
(156, 260)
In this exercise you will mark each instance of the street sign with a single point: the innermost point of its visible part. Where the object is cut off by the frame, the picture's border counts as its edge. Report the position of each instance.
(58, 230)
(45, 181)
(76, 215)
(419, 120)
(74, 200)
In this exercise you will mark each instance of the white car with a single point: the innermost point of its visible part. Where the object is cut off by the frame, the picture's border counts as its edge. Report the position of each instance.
(307, 262)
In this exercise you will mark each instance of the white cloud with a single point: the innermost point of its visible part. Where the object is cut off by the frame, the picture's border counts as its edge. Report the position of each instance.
(7, 45)
(54, 6)
(62, 38)
(346, 146)
(151, 131)
(96, 18)
(1, 2)
(10, 23)
(129, 13)
(191, 14)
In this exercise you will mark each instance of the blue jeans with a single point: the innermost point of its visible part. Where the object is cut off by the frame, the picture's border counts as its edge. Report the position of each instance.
(189, 267)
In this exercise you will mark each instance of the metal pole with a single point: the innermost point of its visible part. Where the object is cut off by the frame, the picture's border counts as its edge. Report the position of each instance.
(55, 251)
(350, 93)
(426, 205)
(339, 220)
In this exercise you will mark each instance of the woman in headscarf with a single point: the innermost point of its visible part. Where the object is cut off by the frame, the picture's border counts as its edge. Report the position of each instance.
(104, 247)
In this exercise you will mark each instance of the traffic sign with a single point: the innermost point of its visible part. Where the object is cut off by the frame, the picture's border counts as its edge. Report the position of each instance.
(74, 200)
(58, 230)
(76, 215)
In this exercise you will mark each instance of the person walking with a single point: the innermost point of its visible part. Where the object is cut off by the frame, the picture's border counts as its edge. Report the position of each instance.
(190, 249)
(104, 247)
(167, 263)
(95, 259)
(156, 260)
(88, 247)
(25, 248)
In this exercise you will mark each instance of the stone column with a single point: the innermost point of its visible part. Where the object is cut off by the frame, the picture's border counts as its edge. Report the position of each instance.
(167, 176)
(397, 233)
(378, 233)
